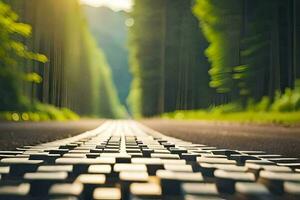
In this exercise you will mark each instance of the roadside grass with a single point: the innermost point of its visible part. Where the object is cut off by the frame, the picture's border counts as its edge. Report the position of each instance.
(39, 112)
(283, 109)
(283, 118)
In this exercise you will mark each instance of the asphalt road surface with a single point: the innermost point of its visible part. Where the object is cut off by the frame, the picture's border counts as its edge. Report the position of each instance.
(272, 139)
(14, 135)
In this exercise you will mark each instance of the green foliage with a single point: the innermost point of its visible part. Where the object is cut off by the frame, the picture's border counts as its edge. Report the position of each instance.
(11, 48)
(226, 108)
(256, 50)
(169, 68)
(249, 49)
(287, 102)
(250, 46)
(12, 52)
(220, 22)
(33, 77)
(145, 57)
(285, 109)
(76, 75)
(261, 106)
(290, 118)
(40, 112)
(95, 89)
(69, 114)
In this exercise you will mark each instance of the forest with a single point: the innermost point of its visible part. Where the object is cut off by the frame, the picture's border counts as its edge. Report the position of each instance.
(192, 59)
(67, 70)
(220, 56)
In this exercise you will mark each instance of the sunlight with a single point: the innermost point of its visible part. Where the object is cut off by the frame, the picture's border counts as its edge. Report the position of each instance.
(115, 5)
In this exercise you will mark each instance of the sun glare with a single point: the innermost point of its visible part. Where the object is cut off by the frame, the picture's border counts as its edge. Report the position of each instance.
(115, 5)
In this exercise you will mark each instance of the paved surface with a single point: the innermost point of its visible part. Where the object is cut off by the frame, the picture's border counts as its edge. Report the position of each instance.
(272, 139)
(127, 161)
(14, 135)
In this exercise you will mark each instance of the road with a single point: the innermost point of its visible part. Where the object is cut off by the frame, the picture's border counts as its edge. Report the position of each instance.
(14, 135)
(102, 164)
(272, 139)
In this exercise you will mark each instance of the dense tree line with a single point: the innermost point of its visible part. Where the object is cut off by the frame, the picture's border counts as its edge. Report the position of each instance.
(166, 55)
(252, 48)
(251, 45)
(12, 53)
(77, 75)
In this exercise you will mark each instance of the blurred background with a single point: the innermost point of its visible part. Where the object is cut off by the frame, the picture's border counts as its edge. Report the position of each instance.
(233, 60)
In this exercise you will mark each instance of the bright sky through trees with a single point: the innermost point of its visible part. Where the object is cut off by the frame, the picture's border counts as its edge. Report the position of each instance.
(115, 5)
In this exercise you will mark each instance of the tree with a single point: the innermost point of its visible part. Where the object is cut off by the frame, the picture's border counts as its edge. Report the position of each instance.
(167, 60)
(74, 75)
(251, 46)
(221, 24)
(186, 67)
(146, 56)
(12, 53)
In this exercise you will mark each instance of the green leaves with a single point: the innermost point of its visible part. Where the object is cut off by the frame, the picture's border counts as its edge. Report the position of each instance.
(21, 50)
(33, 77)
(13, 52)
(220, 22)
(11, 49)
